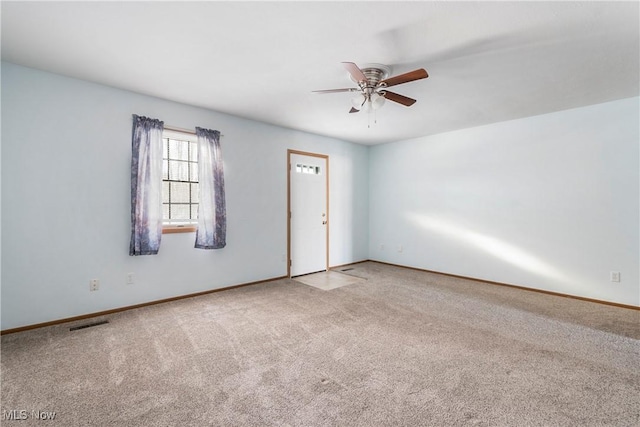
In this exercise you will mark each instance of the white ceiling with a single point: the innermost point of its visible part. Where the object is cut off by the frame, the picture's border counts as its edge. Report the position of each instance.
(487, 61)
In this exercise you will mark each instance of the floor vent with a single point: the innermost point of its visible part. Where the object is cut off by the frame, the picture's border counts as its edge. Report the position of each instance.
(88, 325)
(346, 269)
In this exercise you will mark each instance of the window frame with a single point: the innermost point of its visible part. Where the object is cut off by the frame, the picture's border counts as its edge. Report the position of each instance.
(168, 228)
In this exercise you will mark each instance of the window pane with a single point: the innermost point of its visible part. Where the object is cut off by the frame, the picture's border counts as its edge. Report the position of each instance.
(165, 192)
(194, 152)
(180, 180)
(178, 150)
(178, 171)
(194, 172)
(165, 169)
(194, 193)
(179, 192)
(179, 211)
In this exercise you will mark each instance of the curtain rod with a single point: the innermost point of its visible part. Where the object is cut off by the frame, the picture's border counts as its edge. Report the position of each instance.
(177, 129)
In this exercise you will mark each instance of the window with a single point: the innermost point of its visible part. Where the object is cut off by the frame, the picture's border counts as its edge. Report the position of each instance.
(314, 170)
(179, 181)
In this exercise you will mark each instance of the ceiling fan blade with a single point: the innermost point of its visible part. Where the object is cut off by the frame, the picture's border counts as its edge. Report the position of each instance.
(418, 74)
(355, 72)
(351, 89)
(353, 110)
(400, 99)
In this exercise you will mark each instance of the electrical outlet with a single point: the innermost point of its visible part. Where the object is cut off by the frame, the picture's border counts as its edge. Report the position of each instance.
(382, 247)
(399, 248)
(94, 284)
(130, 278)
(615, 276)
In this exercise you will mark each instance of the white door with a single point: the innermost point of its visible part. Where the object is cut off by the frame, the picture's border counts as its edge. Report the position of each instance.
(308, 213)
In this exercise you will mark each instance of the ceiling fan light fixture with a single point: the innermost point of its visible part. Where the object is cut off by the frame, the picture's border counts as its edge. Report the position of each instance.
(373, 81)
(358, 100)
(377, 100)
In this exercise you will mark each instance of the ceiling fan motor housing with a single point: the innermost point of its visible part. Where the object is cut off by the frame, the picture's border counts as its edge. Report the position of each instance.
(374, 73)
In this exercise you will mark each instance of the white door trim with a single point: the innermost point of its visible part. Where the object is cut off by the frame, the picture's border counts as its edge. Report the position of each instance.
(304, 153)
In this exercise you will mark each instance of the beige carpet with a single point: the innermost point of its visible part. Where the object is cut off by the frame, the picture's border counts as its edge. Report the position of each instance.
(401, 348)
(328, 280)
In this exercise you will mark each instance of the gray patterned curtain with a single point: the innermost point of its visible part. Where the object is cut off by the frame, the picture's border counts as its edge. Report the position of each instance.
(146, 186)
(212, 211)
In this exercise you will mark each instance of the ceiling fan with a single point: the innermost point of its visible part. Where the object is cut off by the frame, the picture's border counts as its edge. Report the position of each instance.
(373, 81)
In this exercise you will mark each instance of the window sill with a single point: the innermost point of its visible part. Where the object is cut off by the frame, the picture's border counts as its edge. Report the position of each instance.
(168, 229)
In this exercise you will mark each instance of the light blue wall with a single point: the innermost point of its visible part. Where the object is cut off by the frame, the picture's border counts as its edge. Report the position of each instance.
(548, 202)
(66, 152)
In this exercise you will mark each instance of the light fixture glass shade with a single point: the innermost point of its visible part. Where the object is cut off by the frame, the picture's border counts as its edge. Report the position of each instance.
(377, 101)
(357, 101)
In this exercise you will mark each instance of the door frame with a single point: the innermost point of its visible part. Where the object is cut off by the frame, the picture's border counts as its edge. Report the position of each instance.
(289, 171)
